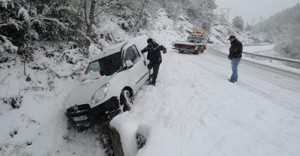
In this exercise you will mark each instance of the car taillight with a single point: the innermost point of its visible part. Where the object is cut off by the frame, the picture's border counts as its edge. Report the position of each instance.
(192, 47)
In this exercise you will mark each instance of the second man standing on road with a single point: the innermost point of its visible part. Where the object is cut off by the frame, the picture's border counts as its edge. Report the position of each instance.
(235, 55)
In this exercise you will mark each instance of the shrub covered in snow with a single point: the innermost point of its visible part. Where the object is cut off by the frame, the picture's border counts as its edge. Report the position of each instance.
(238, 23)
(27, 21)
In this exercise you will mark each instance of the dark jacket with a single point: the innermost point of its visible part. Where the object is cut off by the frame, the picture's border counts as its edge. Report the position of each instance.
(154, 52)
(236, 49)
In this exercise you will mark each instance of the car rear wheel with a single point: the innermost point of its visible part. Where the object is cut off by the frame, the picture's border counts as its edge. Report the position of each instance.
(126, 100)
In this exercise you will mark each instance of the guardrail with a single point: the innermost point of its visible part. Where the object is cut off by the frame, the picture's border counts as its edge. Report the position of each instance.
(274, 58)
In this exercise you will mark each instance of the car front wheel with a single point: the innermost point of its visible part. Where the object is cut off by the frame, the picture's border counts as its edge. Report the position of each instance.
(126, 100)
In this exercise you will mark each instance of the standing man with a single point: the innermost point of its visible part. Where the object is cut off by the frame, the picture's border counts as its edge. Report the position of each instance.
(154, 57)
(235, 55)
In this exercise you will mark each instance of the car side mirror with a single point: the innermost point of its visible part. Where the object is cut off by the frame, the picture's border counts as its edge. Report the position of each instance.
(128, 63)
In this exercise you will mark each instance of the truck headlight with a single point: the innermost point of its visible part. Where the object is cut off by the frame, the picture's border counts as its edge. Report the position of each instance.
(100, 94)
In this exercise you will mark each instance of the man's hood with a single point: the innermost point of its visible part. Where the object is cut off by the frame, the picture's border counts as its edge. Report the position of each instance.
(83, 92)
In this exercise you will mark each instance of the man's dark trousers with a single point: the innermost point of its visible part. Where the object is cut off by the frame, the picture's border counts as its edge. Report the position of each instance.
(153, 76)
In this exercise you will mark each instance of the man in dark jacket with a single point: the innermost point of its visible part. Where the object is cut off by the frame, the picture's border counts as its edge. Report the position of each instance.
(154, 57)
(235, 55)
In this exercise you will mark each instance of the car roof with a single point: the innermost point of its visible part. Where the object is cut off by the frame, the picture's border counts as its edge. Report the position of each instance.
(117, 47)
(138, 41)
(111, 50)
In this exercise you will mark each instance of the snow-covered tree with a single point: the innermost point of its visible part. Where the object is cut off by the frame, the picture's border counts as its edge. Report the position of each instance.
(238, 23)
(248, 27)
(283, 28)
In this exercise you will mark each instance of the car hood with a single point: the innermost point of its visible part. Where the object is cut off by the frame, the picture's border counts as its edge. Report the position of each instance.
(83, 92)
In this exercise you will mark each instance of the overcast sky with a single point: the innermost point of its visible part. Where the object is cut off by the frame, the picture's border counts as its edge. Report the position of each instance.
(250, 9)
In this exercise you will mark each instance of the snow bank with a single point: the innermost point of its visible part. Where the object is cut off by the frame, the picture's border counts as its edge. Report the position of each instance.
(159, 140)
(38, 125)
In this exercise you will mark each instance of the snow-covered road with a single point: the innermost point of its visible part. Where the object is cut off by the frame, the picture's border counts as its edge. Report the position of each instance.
(259, 115)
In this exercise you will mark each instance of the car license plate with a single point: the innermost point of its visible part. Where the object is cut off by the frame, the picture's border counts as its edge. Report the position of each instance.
(80, 118)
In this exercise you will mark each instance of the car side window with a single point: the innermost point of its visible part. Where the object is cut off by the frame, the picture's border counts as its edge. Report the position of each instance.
(132, 54)
(136, 51)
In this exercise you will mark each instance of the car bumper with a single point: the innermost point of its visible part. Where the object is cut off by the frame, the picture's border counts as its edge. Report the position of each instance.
(83, 116)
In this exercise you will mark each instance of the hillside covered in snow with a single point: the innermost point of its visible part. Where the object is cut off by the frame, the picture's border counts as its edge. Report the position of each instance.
(283, 29)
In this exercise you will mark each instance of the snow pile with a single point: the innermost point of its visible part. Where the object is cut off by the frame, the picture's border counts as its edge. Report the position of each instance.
(159, 140)
(127, 128)
(31, 107)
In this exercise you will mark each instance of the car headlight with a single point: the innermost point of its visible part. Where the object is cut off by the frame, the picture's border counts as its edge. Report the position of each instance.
(100, 94)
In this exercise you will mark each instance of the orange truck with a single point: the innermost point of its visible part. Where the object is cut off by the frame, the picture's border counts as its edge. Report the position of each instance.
(196, 43)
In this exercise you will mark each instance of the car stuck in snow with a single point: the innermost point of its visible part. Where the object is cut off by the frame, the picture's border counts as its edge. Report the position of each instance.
(111, 80)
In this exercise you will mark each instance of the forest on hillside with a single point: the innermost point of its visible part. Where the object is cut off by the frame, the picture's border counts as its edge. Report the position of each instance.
(284, 29)
(24, 23)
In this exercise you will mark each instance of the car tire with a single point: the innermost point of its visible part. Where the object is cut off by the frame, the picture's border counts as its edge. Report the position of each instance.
(126, 100)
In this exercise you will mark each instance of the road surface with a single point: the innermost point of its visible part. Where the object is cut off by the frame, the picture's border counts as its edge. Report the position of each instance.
(257, 116)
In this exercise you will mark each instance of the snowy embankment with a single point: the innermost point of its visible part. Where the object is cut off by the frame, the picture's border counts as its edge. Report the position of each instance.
(37, 124)
(31, 111)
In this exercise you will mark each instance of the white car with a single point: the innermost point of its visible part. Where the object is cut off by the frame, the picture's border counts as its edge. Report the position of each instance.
(112, 79)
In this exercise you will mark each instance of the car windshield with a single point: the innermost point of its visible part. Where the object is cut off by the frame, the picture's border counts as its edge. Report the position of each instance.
(105, 66)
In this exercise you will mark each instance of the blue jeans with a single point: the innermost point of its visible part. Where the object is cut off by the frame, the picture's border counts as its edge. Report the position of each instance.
(234, 66)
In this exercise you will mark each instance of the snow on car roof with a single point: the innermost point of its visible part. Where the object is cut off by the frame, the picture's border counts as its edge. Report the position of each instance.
(117, 47)
(111, 50)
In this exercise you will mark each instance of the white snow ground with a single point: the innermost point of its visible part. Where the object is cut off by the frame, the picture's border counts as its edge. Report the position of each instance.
(257, 116)
(193, 100)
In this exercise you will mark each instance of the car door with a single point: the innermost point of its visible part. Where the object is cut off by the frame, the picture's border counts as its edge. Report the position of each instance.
(139, 70)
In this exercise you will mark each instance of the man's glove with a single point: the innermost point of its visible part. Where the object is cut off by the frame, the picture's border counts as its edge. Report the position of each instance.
(165, 51)
(229, 57)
